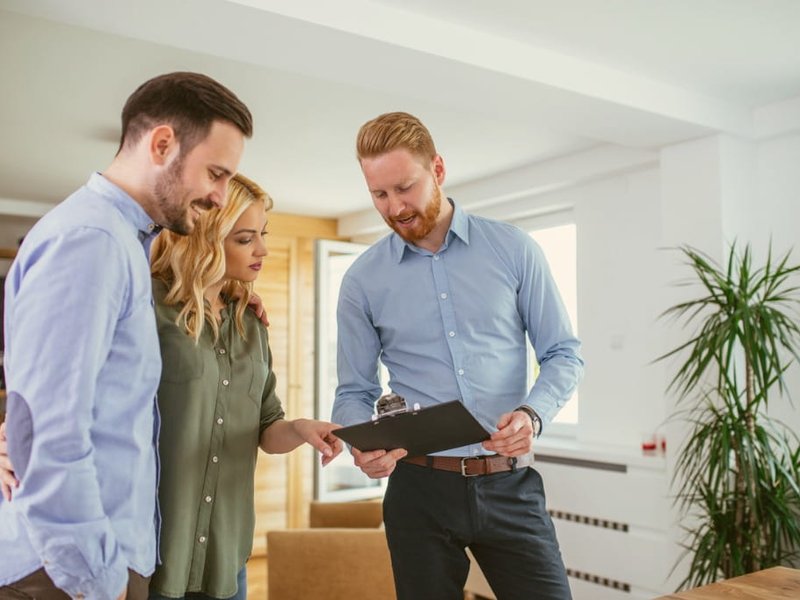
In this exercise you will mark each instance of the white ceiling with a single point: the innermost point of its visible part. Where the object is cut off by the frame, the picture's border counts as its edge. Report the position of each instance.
(501, 84)
(745, 51)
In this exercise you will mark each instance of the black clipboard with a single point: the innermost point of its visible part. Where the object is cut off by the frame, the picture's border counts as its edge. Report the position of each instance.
(423, 431)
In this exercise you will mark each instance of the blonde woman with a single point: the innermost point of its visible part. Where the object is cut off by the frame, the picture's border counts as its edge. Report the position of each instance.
(217, 398)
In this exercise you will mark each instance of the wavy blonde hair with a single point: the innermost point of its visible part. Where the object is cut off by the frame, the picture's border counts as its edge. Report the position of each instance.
(190, 264)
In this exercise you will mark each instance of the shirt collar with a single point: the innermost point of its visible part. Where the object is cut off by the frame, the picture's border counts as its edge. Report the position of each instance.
(459, 228)
(130, 209)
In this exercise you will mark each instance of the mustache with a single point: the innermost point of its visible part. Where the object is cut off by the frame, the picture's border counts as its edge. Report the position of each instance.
(203, 203)
(404, 216)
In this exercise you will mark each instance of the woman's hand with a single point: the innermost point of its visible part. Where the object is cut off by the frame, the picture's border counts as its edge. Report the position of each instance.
(257, 306)
(7, 479)
(319, 434)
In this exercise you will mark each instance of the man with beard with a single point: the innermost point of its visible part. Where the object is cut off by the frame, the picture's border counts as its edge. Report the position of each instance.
(82, 354)
(445, 302)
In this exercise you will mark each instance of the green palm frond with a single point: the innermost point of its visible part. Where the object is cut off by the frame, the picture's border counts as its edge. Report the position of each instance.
(737, 475)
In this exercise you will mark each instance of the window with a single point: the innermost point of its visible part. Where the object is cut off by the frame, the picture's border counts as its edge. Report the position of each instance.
(559, 243)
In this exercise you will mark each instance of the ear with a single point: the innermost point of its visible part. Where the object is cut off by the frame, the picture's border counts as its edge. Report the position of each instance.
(439, 171)
(162, 145)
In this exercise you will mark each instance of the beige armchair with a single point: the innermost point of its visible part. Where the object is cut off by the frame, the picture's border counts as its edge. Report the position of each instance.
(331, 563)
(368, 513)
(342, 556)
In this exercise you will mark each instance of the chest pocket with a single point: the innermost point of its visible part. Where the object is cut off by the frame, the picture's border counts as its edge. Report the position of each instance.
(260, 372)
(182, 360)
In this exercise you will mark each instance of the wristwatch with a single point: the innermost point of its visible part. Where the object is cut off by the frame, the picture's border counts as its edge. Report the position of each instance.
(536, 420)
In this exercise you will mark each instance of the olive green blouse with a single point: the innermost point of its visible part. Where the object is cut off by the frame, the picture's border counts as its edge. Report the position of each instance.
(215, 400)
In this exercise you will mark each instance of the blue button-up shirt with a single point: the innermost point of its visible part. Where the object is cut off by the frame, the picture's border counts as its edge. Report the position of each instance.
(82, 368)
(451, 325)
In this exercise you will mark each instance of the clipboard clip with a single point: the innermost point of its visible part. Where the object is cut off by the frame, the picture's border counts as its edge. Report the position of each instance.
(390, 405)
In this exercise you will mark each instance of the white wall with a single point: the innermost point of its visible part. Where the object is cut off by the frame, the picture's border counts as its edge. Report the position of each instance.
(706, 193)
(778, 192)
(778, 216)
(617, 228)
(720, 189)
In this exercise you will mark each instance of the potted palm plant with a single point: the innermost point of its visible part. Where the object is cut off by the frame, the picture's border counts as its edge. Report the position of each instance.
(737, 473)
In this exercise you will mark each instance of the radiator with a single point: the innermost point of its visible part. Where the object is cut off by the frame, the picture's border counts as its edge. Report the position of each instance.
(613, 521)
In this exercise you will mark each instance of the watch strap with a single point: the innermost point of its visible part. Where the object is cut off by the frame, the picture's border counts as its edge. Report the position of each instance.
(536, 420)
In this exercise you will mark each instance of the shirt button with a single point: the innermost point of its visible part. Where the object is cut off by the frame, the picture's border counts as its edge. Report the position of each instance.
(202, 539)
(452, 334)
(208, 499)
(215, 459)
(225, 382)
(461, 371)
(436, 257)
(219, 421)
(443, 296)
(222, 350)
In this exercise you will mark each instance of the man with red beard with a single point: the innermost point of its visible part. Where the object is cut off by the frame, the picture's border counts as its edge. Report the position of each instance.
(82, 356)
(445, 302)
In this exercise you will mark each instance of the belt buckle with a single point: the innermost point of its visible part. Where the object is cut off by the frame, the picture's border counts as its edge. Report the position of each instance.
(464, 466)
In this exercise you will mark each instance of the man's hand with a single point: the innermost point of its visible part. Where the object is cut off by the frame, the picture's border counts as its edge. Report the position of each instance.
(377, 463)
(7, 479)
(257, 306)
(514, 435)
(320, 435)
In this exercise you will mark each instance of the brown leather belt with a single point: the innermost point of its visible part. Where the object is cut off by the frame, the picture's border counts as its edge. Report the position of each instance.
(470, 466)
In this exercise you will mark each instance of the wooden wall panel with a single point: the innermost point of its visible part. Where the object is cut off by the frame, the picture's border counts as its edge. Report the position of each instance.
(271, 470)
(284, 483)
(302, 461)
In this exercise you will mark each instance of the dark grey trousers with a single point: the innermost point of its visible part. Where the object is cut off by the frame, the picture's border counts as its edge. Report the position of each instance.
(432, 515)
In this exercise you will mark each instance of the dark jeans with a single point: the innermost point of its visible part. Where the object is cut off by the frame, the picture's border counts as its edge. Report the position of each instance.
(39, 586)
(432, 515)
(241, 594)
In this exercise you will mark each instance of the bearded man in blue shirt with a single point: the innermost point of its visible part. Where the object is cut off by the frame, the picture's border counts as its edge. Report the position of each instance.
(445, 302)
(82, 356)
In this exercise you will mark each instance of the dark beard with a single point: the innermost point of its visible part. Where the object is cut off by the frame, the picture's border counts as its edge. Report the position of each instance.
(167, 192)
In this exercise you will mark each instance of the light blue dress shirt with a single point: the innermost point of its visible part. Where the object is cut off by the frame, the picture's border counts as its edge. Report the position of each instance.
(82, 368)
(451, 325)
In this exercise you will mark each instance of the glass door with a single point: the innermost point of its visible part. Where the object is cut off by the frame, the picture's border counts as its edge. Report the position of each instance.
(340, 480)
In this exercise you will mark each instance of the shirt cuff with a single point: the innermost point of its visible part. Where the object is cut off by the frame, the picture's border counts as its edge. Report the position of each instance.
(71, 573)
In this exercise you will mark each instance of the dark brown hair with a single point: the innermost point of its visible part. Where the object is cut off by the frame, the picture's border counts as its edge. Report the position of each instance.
(188, 102)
